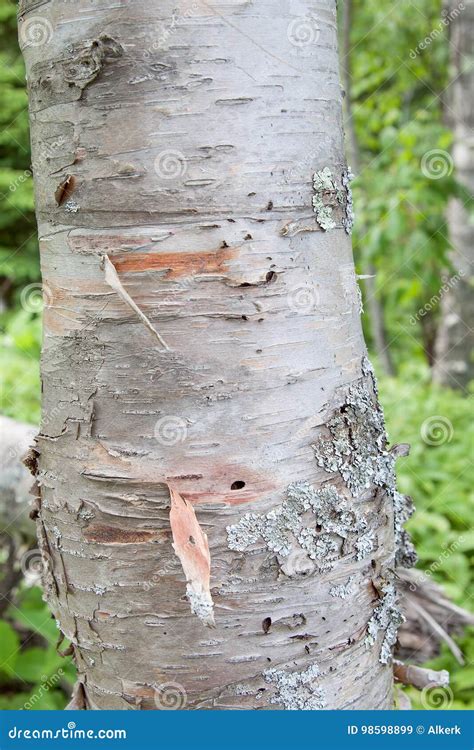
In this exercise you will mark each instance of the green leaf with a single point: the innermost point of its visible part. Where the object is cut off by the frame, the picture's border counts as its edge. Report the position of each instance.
(9, 645)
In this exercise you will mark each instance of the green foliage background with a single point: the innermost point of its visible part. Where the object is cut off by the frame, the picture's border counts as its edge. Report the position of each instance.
(397, 103)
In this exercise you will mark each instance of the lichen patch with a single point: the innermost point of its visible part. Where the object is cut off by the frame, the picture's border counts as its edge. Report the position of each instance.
(357, 449)
(297, 691)
(316, 521)
(324, 198)
(386, 618)
(332, 202)
(349, 217)
(342, 590)
(357, 445)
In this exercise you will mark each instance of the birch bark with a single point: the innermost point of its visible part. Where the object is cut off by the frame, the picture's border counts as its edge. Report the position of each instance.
(202, 333)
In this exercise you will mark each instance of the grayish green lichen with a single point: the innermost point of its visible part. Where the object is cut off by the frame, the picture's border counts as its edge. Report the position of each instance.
(296, 691)
(315, 521)
(200, 603)
(342, 590)
(330, 197)
(71, 206)
(403, 509)
(324, 193)
(366, 544)
(348, 219)
(386, 618)
(357, 448)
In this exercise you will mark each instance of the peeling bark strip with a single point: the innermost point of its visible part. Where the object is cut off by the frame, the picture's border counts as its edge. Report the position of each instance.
(203, 334)
(112, 279)
(191, 546)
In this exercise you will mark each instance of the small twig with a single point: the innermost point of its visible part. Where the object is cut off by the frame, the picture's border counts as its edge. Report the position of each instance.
(419, 677)
(436, 627)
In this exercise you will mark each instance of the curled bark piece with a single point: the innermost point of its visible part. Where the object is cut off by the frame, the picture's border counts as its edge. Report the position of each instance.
(401, 450)
(78, 698)
(112, 279)
(64, 189)
(191, 546)
(419, 677)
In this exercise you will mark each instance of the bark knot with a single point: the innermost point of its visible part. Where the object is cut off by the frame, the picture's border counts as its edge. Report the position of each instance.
(87, 58)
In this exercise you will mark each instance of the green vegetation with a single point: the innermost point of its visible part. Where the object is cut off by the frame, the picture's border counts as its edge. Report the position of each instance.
(405, 180)
(33, 675)
(400, 230)
(439, 479)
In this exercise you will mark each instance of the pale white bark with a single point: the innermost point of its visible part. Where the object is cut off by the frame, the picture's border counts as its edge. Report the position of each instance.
(187, 152)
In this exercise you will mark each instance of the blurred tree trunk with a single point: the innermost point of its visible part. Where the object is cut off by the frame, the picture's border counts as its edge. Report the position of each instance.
(15, 481)
(374, 304)
(202, 337)
(454, 360)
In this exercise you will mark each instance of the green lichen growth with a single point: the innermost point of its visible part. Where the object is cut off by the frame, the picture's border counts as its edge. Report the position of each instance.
(386, 618)
(296, 691)
(331, 199)
(320, 522)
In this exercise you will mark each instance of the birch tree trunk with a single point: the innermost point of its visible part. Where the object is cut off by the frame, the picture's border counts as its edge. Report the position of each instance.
(454, 352)
(202, 336)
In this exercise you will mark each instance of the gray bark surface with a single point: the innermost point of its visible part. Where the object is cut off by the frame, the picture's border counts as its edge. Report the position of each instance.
(202, 334)
(454, 351)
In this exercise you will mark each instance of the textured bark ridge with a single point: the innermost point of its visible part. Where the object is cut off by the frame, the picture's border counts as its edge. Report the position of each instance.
(193, 134)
